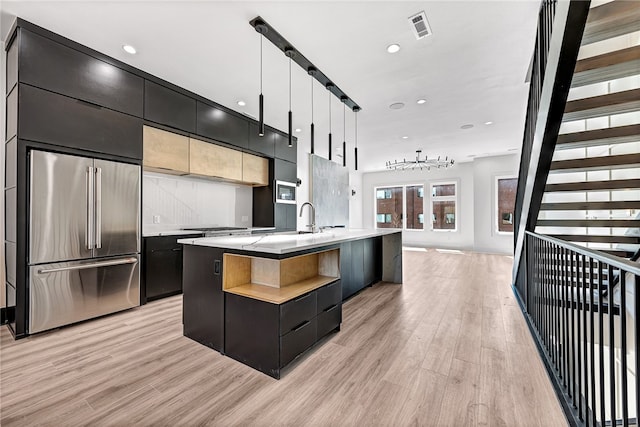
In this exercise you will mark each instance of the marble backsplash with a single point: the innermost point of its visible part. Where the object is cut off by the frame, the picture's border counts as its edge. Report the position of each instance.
(175, 202)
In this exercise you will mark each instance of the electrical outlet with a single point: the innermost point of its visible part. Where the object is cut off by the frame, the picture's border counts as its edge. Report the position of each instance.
(245, 218)
(156, 219)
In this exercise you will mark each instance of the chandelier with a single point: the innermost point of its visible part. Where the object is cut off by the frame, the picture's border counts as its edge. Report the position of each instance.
(419, 163)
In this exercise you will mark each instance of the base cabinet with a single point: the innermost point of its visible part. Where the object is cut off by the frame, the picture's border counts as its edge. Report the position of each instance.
(269, 336)
(203, 300)
(162, 266)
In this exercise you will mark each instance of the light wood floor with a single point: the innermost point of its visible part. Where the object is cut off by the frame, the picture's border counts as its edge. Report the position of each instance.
(449, 347)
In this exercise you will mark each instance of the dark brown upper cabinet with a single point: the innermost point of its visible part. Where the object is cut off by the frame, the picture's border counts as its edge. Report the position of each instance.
(283, 151)
(168, 107)
(59, 120)
(57, 68)
(221, 126)
(262, 144)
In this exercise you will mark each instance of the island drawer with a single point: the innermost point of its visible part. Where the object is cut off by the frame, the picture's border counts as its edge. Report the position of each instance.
(329, 320)
(297, 341)
(329, 296)
(298, 311)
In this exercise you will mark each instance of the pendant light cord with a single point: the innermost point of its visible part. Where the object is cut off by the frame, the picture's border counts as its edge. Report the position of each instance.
(311, 99)
(356, 119)
(344, 121)
(289, 83)
(329, 111)
(261, 37)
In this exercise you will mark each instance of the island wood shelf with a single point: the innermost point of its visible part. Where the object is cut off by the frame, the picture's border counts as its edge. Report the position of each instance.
(279, 281)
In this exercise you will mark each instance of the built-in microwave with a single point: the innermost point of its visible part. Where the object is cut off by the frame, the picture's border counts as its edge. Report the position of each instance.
(285, 192)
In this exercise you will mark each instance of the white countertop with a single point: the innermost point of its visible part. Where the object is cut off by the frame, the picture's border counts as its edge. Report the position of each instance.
(282, 243)
(179, 232)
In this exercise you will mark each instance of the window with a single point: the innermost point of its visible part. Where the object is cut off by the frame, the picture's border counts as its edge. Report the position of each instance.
(389, 207)
(415, 207)
(400, 207)
(506, 188)
(443, 206)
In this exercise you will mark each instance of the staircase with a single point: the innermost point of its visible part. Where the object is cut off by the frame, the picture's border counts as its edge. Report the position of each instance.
(592, 194)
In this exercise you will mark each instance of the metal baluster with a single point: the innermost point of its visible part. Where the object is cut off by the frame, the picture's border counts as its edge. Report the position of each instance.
(594, 419)
(565, 321)
(601, 344)
(556, 359)
(572, 336)
(578, 331)
(545, 299)
(623, 348)
(584, 340)
(612, 347)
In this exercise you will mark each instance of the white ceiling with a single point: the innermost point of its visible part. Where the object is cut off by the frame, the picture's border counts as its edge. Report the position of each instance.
(470, 71)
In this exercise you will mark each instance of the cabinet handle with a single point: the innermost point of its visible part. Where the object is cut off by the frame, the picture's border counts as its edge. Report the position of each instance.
(300, 326)
(177, 249)
(90, 104)
(302, 297)
(330, 308)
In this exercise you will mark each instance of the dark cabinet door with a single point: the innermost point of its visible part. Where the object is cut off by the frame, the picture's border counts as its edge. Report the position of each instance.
(372, 260)
(163, 268)
(252, 333)
(68, 122)
(357, 264)
(203, 299)
(49, 65)
(283, 151)
(285, 217)
(262, 144)
(168, 107)
(346, 275)
(217, 124)
(285, 171)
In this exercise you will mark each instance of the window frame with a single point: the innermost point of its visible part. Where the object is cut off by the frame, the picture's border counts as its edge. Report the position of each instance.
(454, 198)
(496, 205)
(404, 206)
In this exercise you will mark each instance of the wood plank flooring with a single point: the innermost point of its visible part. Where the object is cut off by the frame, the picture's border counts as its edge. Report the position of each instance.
(447, 348)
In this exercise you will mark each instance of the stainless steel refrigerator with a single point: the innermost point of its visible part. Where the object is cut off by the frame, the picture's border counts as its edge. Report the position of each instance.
(84, 238)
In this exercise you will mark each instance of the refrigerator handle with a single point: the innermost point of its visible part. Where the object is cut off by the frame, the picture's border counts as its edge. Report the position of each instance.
(98, 208)
(90, 208)
(130, 260)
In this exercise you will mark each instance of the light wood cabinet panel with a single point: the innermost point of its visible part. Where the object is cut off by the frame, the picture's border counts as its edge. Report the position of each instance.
(255, 170)
(213, 160)
(165, 151)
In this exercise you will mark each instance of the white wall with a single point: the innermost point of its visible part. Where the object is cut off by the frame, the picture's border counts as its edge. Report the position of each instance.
(476, 203)
(486, 171)
(189, 201)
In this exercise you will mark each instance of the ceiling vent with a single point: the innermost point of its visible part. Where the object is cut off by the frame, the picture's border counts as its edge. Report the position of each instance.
(420, 25)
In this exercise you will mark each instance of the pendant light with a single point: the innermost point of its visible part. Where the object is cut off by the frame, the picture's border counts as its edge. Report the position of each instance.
(290, 54)
(312, 72)
(262, 29)
(344, 130)
(329, 86)
(355, 151)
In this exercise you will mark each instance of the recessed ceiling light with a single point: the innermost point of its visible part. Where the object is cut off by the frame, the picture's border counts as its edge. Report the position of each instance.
(393, 48)
(421, 101)
(396, 105)
(242, 103)
(405, 137)
(129, 49)
(298, 130)
(468, 126)
(488, 123)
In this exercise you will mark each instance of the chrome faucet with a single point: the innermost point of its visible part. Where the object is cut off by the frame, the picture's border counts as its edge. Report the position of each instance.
(313, 215)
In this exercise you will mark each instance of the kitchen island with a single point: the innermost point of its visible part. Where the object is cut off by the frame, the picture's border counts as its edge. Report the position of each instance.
(265, 299)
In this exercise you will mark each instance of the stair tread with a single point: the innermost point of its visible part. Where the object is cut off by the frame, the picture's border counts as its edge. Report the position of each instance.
(583, 206)
(613, 135)
(614, 184)
(608, 66)
(629, 223)
(602, 162)
(611, 20)
(602, 105)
